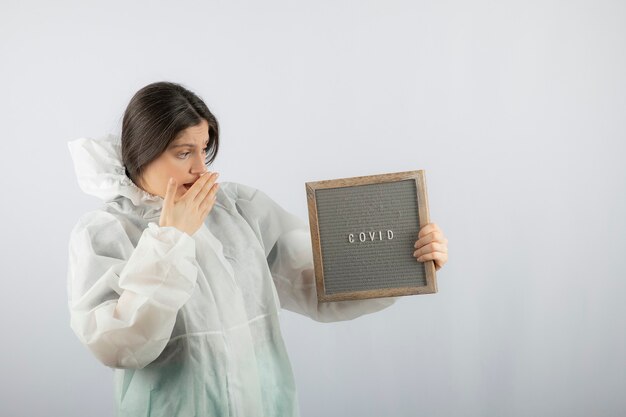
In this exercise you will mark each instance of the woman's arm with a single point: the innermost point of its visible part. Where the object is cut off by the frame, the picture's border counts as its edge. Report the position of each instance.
(291, 263)
(123, 300)
(287, 242)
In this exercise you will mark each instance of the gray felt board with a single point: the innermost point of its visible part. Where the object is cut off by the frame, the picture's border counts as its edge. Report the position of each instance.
(382, 259)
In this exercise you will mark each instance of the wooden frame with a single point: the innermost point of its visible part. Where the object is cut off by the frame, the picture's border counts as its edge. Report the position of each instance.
(424, 218)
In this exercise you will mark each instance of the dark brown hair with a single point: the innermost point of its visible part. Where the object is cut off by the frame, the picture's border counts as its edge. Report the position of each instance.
(154, 117)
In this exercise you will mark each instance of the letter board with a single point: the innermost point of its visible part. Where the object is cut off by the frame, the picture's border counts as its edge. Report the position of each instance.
(363, 230)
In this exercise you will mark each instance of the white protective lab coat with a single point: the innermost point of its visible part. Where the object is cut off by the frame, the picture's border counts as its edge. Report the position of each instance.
(201, 336)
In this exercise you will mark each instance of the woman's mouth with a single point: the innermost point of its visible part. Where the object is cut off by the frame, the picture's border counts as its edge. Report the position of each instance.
(187, 186)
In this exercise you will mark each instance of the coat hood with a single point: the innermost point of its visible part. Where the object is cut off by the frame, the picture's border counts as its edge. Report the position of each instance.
(101, 173)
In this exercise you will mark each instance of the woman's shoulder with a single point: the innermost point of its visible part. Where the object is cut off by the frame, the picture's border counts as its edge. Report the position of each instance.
(100, 216)
(100, 221)
(237, 191)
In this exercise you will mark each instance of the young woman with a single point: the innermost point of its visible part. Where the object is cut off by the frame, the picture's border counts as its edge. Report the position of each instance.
(176, 282)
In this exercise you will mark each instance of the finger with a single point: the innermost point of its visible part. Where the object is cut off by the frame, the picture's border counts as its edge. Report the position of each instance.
(170, 192)
(438, 265)
(209, 201)
(431, 247)
(206, 189)
(441, 257)
(428, 228)
(211, 196)
(431, 237)
(197, 186)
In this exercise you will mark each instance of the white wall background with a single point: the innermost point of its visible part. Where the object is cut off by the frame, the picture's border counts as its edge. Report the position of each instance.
(516, 110)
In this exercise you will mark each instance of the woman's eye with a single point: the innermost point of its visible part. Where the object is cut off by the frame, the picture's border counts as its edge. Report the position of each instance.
(184, 155)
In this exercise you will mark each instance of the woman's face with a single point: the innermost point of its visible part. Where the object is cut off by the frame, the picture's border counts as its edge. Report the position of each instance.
(183, 160)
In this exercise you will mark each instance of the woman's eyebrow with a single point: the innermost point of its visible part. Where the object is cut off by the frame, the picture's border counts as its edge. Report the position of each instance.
(191, 145)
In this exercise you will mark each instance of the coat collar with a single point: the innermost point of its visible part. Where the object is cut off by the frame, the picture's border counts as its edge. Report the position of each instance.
(101, 173)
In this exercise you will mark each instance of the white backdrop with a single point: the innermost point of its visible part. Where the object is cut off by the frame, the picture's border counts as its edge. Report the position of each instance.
(515, 110)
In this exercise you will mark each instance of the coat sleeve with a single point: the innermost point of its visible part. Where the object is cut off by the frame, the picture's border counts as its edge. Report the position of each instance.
(123, 300)
(286, 240)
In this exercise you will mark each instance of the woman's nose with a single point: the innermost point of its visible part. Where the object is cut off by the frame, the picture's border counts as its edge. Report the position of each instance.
(198, 165)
